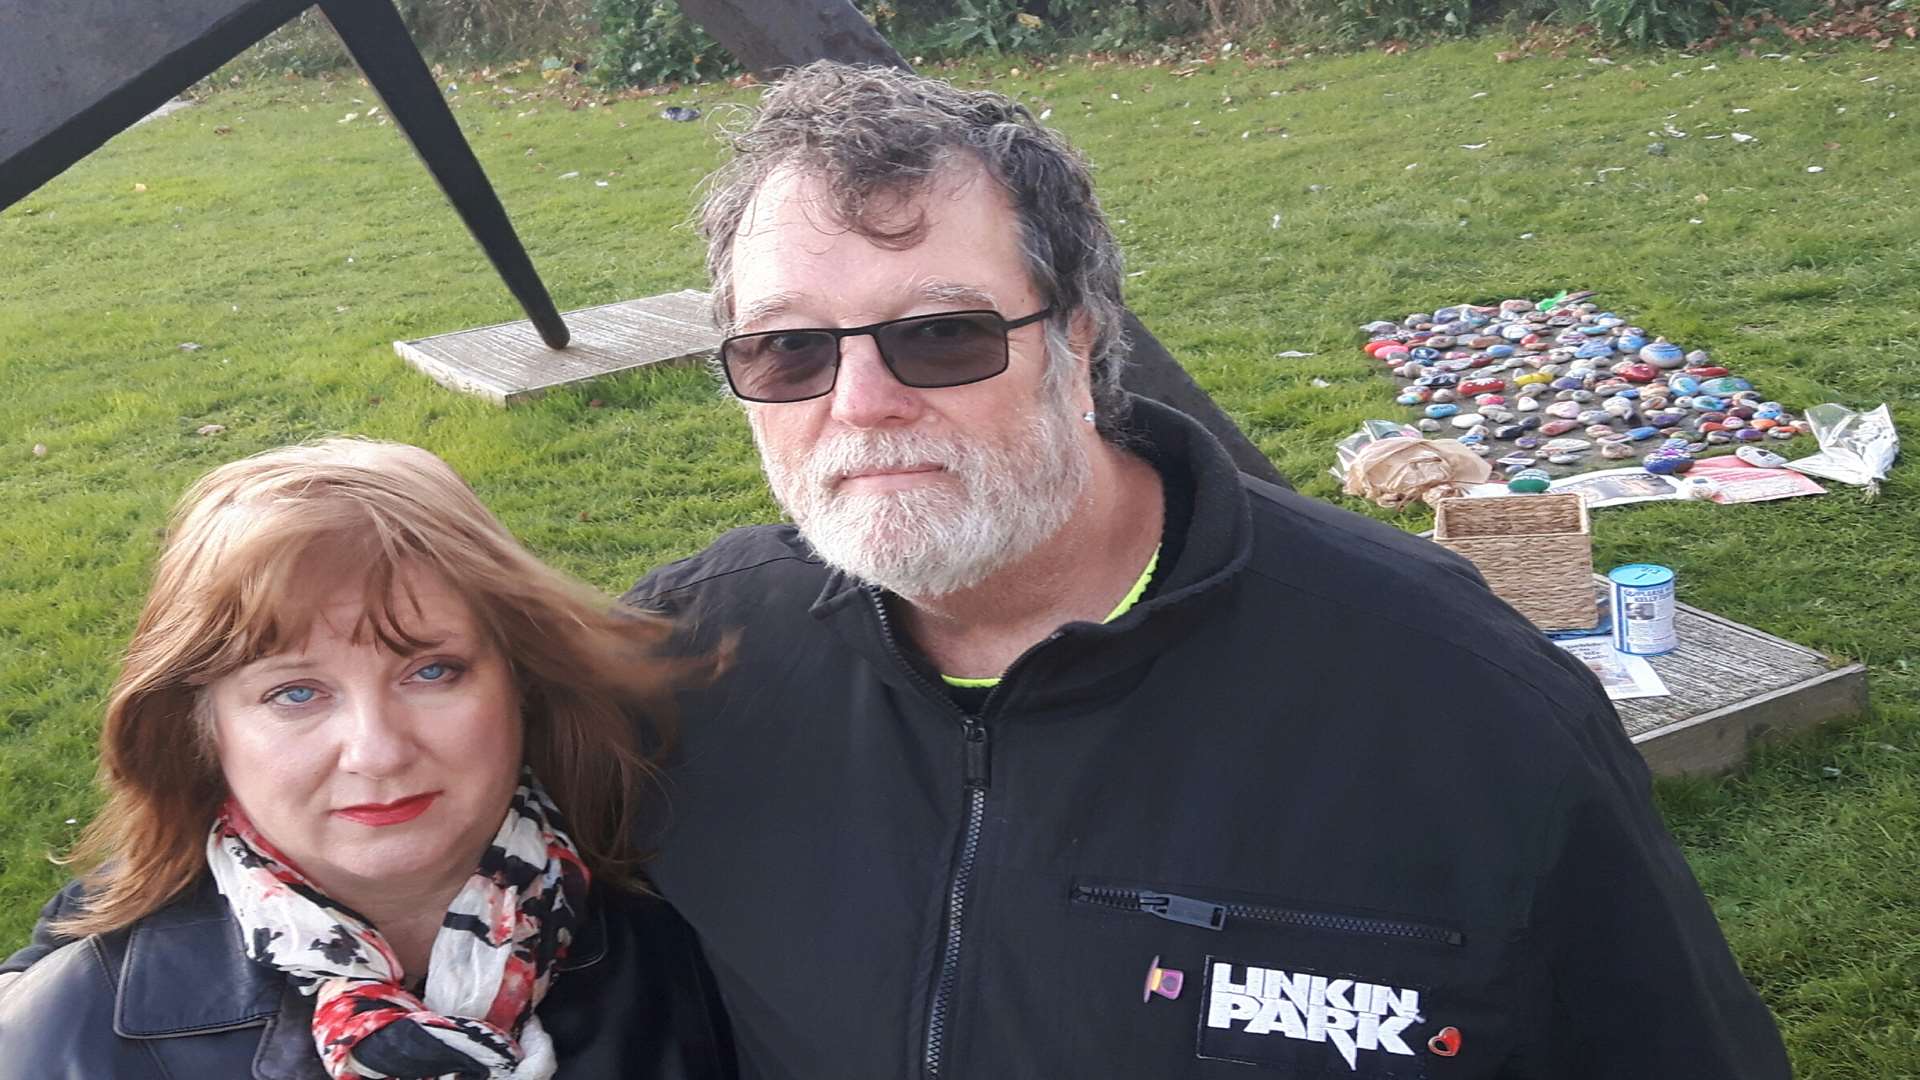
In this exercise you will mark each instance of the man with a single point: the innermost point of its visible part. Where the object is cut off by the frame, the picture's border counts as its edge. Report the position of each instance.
(1053, 747)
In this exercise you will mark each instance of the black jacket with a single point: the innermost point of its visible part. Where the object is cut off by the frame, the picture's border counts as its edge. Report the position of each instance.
(174, 997)
(1359, 804)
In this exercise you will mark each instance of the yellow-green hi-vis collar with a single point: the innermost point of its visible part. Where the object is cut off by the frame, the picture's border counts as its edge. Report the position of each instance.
(1126, 604)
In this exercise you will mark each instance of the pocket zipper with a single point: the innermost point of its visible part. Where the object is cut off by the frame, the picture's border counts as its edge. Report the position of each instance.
(1209, 915)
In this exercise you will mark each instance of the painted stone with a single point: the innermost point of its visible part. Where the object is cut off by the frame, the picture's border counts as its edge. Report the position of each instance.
(1528, 404)
(1483, 386)
(1514, 331)
(1617, 407)
(1782, 433)
(1615, 451)
(1380, 327)
(1711, 371)
(1424, 354)
(1664, 419)
(1411, 397)
(1530, 481)
(1718, 438)
(1725, 384)
(1639, 373)
(1668, 464)
(1707, 404)
(1489, 399)
(1569, 382)
(1752, 434)
(1465, 420)
(1429, 425)
(1763, 423)
(1683, 384)
(1508, 431)
(1708, 427)
(1438, 411)
(1527, 442)
(1558, 427)
(1640, 434)
(1565, 459)
(1564, 410)
(1594, 416)
(1532, 378)
(1501, 352)
(1629, 343)
(1699, 358)
(1530, 421)
(1599, 431)
(1443, 395)
(1566, 446)
(1497, 414)
(1662, 353)
(1583, 396)
(1442, 341)
(1438, 378)
(1733, 423)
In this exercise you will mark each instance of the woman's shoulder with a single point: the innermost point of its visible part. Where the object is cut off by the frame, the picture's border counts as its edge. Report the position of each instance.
(57, 1017)
(89, 1006)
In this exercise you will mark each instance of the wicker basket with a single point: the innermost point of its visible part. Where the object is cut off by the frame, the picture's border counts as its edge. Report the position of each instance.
(1536, 552)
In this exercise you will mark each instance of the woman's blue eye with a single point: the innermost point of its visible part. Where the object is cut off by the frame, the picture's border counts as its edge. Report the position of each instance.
(434, 672)
(296, 695)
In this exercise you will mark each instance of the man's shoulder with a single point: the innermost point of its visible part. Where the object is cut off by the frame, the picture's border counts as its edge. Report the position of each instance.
(1375, 588)
(768, 561)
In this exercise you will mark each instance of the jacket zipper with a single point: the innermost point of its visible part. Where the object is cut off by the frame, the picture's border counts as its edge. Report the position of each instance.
(1213, 916)
(977, 777)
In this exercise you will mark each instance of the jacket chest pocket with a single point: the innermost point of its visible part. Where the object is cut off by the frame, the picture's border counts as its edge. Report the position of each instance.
(1263, 986)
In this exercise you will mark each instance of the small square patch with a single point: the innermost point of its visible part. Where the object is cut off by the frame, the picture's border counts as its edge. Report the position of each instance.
(1312, 1023)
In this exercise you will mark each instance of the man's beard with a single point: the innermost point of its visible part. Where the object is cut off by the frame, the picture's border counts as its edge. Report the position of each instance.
(995, 505)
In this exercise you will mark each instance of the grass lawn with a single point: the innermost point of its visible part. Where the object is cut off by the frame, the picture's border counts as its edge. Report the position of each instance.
(1263, 209)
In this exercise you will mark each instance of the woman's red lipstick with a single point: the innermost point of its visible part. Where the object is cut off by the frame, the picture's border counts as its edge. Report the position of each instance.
(393, 813)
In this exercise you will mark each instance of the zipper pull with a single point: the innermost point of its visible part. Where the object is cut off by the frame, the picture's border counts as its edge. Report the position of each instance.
(978, 771)
(1184, 910)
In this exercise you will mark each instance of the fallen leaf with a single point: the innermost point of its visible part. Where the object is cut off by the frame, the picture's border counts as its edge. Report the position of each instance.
(1701, 198)
(570, 175)
(1742, 137)
(189, 346)
(349, 118)
(210, 429)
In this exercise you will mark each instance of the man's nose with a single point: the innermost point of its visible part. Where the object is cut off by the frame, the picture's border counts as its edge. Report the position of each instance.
(376, 740)
(865, 392)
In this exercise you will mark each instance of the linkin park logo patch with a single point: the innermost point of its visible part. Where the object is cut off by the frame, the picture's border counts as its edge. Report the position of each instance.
(1267, 1016)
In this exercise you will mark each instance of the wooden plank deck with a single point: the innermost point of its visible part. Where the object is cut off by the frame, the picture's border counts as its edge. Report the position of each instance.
(508, 363)
(1730, 686)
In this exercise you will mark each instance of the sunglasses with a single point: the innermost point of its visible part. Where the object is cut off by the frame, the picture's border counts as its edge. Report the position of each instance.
(952, 348)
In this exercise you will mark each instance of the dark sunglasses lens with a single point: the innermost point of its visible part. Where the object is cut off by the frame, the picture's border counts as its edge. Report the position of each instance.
(945, 350)
(780, 366)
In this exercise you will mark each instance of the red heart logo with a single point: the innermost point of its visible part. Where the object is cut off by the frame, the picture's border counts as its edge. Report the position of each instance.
(1446, 1043)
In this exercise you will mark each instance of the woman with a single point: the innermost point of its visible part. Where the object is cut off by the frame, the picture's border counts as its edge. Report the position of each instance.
(336, 761)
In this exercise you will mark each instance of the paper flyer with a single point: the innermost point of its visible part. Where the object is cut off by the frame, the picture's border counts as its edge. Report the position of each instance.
(1735, 481)
(1622, 674)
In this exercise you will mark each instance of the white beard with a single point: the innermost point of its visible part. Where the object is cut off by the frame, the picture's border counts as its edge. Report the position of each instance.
(994, 505)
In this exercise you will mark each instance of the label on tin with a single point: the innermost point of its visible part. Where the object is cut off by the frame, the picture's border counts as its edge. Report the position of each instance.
(1643, 601)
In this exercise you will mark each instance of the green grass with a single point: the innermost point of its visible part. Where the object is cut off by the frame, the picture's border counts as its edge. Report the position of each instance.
(295, 248)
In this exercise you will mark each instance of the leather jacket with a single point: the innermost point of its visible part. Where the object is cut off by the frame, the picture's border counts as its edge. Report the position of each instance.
(174, 996)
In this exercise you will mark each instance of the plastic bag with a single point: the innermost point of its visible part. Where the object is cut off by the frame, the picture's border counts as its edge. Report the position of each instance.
(1393, 466)
(1855, 448)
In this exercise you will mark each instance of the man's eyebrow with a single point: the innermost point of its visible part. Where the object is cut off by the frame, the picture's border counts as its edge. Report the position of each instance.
(952, 292)
(764, 308)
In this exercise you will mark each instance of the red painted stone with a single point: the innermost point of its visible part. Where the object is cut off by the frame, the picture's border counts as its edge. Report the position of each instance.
(1640, 373)
(1708, 426)
(1482, 386)
(1372, 348)
(1707, 372)
(1558, 427)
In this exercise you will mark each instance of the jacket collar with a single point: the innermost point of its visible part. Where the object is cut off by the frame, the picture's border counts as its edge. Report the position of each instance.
(186, 972)
(1082, 660)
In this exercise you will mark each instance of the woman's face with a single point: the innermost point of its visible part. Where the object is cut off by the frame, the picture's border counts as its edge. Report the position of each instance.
(371, 770)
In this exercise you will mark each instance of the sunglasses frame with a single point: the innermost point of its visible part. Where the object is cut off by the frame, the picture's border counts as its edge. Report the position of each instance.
(839, 334)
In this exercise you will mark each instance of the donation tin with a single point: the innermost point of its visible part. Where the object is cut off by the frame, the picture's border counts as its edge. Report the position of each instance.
(1642, 609)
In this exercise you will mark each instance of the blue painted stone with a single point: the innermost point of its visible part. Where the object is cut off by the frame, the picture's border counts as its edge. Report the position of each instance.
(1752, 434)
(1438, 378)
(1631, 393)
(1500, 352)
(1471, 438)
(1641, 433)
(1529, 421)
(1593, 350)
(1703, 403)
(1568, 382)
(1527, 442)
(1663, 354)
(1683, 384)
(1591, 417)
(1726, 384)
(1663, 420)
(1425, 354)
(1595, 331)
(1438, 411)
(1410, 399)
(1668, 464)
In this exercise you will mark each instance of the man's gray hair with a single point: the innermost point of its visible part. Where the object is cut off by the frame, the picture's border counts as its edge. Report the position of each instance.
(876, 137)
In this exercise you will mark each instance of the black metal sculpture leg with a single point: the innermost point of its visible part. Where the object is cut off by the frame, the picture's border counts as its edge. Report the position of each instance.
(378, 42)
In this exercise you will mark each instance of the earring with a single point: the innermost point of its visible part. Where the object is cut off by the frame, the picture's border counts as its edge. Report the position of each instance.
(1087, 416)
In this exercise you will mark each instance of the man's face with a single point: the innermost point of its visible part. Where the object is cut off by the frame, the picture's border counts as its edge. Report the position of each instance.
(922, 491)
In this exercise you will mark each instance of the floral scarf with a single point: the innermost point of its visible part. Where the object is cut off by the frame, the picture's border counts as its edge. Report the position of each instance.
(491, 964)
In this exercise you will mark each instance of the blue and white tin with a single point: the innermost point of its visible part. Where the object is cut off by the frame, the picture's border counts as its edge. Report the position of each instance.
(1643, 609)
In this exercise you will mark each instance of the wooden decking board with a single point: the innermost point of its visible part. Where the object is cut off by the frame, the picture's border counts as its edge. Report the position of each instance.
(1732, 685)
(508, 363)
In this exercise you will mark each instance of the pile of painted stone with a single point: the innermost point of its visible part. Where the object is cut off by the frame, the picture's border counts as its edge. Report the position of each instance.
(1566, 385)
